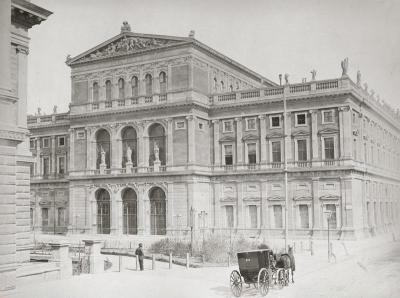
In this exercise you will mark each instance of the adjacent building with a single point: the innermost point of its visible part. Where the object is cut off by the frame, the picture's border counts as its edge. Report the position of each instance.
(164, 134)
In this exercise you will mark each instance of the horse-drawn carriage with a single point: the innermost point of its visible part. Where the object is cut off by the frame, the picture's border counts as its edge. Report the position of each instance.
(262, 269)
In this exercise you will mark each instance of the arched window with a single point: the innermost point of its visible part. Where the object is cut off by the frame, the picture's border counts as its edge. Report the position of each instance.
(129, 139)
(103, 148)
(121, 88)
(149, 84)
(95, 91)
(230, 88)
(135, 86)
(103, 211)
(163, 83)
(108, 90)
(157, 211)
(157, 136)
(222, 86)
(129, 203)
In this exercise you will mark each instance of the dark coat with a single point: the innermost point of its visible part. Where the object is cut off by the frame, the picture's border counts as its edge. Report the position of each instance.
(139, 253)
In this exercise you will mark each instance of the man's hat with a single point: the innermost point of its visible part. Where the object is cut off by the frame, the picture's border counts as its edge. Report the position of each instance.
(140, 244)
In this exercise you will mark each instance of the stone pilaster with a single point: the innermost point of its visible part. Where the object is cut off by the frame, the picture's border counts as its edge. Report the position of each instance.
(90, 159)
(217, 149)
(170, 142)
(314, 135)
(141, 155)
(191, 120)
(240, 208)
(71, 150)
(170, 207)
(38, 158)
(264, 220)
(316, 209)
(141, 210)
(114, 149)
(345, 135)
(53, 155)
(263, 130)
(118, 216)
(239, 142)
(217, 206)
(288, 132)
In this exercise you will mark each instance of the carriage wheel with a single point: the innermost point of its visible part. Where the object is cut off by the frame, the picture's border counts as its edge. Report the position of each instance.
(263, 282)
(236, 283)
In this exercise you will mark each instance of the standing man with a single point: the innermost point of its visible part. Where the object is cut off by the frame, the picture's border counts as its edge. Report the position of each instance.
(140, 255)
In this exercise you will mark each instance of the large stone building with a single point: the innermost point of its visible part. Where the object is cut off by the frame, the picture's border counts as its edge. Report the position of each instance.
(164, 134)
(16, 17)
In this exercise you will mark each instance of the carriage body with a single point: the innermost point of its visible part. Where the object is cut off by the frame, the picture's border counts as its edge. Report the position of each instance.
(251, 262)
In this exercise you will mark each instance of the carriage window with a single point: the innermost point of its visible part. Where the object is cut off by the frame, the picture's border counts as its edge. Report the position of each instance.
(253, 216)
(304, 218)
(229, 216)
(278, 216)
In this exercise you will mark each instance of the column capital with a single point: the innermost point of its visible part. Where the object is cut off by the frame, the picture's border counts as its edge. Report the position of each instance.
(238, 119)
(22, 49)
(191, 117)
(344, 108)
(215, 121)
(313, 111)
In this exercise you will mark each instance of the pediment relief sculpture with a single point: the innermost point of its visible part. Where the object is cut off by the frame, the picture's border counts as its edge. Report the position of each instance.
(328, 131)
(250, 137)
(329, 197)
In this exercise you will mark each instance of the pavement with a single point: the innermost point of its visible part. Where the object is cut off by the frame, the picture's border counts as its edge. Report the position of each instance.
(365, 269)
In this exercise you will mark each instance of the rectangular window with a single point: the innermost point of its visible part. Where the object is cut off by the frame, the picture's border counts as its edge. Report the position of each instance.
(229, 216)
(45, 217)
(301, 150)
(61, 141)
(251, 124)
(329, 147)
(278, 216)
(275, 121)
(61, 164)
(180, 125)
(332, 209)
(31, 213)
(327, 116)
(252, 153)
(276, 151)
(227, 127)
(253, 216)
(46, 166)
(32, 143)
(301, 119)
(46, 142)
(228, 155)
(304, 218)
(61, 217)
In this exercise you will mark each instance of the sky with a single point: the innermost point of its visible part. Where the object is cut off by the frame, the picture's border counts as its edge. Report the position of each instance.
(267, 36)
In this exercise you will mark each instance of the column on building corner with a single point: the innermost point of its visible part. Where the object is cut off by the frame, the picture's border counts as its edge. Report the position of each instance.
(170, 208)
(217, 150)
(191, 139)
(53, 155)
(263, 143)
(140, 210)
(239, 142)
(89, 150)
(190, 206)
(115, 149)
(118, 214)
(314, 135)
(288, 139)
(240, 205)
(217, 207)
(38, 158)
(316, 207)
(170, 142)
(140, 136)
(71, 149)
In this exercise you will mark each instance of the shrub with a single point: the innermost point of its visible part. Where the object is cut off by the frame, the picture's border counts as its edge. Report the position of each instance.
(165, 246)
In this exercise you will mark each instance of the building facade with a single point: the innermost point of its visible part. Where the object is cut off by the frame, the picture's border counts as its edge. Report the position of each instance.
(165, 134)
(16, 18)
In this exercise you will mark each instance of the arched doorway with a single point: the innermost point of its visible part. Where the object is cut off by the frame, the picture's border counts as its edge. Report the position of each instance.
(157, 135)
(129, 205)
(103, 211)
(157, 211)
(103, 144)
(129, 139)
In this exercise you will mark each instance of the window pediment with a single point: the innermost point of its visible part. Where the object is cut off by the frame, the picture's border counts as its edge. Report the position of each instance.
(251, 199)
(276, 198)
(300, 133)
(227, 139)
(302, 198)
(328, 131)
(228, 199)
(329, 197)
(275, 136)
(250, 137)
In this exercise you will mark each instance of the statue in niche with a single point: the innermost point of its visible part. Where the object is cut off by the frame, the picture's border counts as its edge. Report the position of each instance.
(129, 154)
(358, 78)
(345, 66)
(156, 152)
(103, 156)
(55, 110)
(286, 78)
(313, 74)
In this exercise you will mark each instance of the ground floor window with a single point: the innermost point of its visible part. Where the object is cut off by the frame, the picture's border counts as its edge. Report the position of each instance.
(278, 216)
(61, 217)
(332, 209)
(304, 216)
(229, 216)
(45, 217)
(253, 220)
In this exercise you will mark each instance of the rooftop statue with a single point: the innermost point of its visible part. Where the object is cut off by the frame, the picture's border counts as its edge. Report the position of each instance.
(345, 66)
(55, 109)
(125, 27)
(358, 78)
(39, 111)
(286, 78)
(191, 33)
(313, 74)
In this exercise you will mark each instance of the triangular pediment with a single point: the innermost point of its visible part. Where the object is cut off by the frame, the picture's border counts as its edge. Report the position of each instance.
(328, 131)
(300, 133)
(250, 137)
(126, 43)
(227, 139)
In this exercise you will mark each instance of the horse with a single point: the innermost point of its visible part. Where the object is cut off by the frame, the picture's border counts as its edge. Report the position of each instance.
(286, 261)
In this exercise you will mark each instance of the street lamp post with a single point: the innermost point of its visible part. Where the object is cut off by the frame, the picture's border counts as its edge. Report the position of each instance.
(285, 167)
(328, 219)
